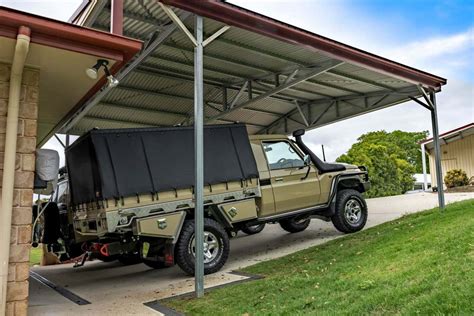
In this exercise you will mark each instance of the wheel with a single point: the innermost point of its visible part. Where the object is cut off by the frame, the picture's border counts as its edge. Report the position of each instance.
(129, 259)
(295, 224)
(254, 229)
(351, 211)
(216, 247)
(155, 264)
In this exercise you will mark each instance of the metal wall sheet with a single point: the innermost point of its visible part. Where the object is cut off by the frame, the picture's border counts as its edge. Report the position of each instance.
(458, 154)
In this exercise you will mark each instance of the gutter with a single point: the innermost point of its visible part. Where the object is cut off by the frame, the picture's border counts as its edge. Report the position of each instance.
(20, 54)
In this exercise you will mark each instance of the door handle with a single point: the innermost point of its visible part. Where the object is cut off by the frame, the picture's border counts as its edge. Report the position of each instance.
(278, 179)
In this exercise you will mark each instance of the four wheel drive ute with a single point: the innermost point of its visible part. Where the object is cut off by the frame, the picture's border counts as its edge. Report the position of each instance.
(131, 193)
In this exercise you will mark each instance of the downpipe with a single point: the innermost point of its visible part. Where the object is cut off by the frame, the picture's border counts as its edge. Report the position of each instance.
(19, 57)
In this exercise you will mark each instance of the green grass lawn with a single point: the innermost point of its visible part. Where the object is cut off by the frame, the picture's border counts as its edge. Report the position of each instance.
(420, 264)
(35, 255)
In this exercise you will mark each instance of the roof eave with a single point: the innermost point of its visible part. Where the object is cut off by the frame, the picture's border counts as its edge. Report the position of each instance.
(456, 130)
(63, 35)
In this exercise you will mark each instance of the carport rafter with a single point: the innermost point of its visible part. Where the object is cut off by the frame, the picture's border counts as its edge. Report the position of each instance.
(345, 76)
(267, 72)
(302, 114)
(242, 79)
(267, 85)
(59, 140)
(313, 73)
(141, 109)
(175, 75)
(381, 95)
(149, 111)
(115, 120)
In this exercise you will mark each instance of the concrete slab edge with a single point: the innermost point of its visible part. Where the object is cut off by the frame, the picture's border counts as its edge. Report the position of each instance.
(159, 307)
(62, 291)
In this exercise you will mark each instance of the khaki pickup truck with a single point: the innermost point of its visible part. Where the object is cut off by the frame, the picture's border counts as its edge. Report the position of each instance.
(130, 194)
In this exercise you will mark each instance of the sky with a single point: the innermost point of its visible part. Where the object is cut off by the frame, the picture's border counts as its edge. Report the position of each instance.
(435, 36)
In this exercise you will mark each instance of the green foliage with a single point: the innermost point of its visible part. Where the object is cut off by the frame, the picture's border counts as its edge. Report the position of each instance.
(456, 178)
(391, 158)
(418, 264)
(405, 173)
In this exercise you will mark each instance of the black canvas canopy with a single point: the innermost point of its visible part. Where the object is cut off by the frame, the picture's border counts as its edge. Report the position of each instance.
(115, 163)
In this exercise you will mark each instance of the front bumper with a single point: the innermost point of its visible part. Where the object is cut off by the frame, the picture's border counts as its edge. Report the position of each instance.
(366, 186)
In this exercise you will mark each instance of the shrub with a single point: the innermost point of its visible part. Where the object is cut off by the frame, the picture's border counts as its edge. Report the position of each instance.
(456, 178)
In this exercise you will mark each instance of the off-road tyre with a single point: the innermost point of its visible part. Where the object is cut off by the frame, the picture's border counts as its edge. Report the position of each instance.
(129, 259)
(350, 211)
(184, 255)
(155, 264)
(295, 224)
(252, 230)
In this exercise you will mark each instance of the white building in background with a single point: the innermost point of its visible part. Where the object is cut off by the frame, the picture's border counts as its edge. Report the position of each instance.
(457, 152)
(419, 181)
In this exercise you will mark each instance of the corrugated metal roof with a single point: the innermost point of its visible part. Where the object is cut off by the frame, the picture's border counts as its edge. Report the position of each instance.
(160, 90)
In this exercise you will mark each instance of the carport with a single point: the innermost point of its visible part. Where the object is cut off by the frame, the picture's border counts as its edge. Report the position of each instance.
(211, 62)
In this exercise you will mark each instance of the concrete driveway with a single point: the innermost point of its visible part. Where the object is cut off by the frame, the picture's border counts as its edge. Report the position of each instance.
(114, 289)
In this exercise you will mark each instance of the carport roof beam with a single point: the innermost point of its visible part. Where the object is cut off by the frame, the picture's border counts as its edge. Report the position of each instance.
(170, 13)
(218, 33)
(317, 71)
(187, 77)
(302, 114)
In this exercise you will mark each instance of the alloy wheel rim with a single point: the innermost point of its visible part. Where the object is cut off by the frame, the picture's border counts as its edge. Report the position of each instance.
(211, 247)
(353, 211)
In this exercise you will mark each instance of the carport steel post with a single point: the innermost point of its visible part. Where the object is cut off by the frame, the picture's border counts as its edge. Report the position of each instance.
(439, 173)
(198, 160)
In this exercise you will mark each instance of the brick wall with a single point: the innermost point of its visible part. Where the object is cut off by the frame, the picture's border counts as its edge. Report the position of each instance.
(17, 292)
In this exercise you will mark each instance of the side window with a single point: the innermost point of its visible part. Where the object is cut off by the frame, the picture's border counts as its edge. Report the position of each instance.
(281, 155)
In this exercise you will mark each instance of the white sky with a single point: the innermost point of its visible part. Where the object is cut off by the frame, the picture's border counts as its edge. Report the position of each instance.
(447, 55)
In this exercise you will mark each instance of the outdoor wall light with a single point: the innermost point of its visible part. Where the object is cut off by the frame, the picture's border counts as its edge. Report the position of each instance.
(94, 71)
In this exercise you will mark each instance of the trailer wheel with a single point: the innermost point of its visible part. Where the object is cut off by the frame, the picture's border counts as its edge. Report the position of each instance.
(216, 247)
(351, 211)
(255, 229)
(295, 224)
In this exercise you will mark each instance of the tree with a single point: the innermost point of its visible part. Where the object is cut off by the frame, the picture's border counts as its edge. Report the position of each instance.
(391, 158)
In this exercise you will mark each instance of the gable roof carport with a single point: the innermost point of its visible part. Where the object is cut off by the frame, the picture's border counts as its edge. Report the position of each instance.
(272, 76)
(269, 75)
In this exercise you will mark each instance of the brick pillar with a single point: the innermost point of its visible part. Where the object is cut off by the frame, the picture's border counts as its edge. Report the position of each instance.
(17, 290)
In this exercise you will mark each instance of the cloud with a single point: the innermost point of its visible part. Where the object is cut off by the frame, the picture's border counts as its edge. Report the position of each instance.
(435, 47)
(444, 55)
